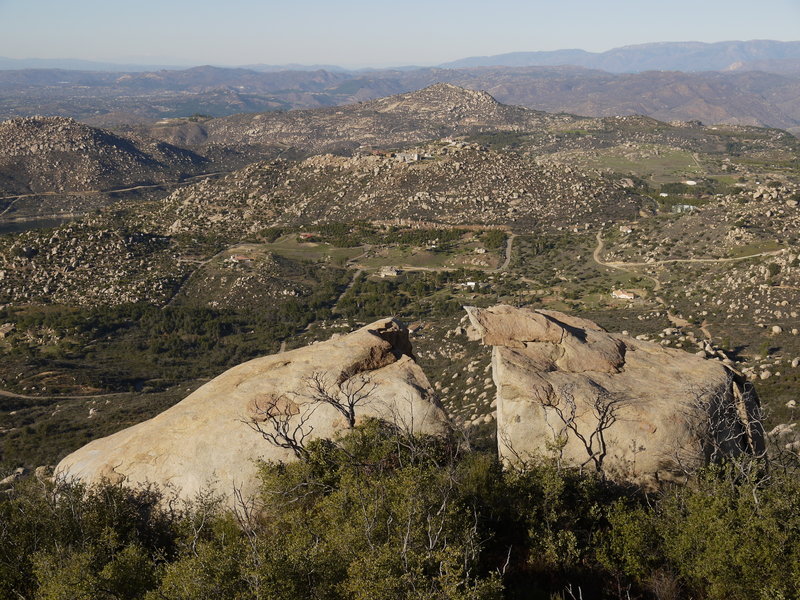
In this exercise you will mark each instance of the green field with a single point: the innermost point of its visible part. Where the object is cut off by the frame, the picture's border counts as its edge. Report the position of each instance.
(290, 247)
(657, 164)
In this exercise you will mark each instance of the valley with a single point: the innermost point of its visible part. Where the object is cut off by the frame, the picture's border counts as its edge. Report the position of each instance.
(522, 326)
(680, 233)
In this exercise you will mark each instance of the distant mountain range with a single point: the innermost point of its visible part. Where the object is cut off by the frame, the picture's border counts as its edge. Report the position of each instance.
(664, 56)
(113, 99)
(75, 64)
(754, 83)
(661, 56)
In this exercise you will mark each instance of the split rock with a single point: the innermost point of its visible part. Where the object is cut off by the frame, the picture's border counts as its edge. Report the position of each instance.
(636, 410)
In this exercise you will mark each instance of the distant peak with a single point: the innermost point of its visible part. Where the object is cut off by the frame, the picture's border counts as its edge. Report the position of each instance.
(456, 89)
(42, 120)
(44, 125)
(445, 87)
(452, 94)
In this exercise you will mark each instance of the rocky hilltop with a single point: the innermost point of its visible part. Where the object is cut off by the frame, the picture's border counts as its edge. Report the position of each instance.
(54, 154)
(212, 439)
(448, 182)
(433, 112)
(89, 264)
(636, 410)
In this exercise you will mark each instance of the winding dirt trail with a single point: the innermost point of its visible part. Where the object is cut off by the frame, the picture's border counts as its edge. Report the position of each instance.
(8, 394)
(200, 264)
(167, 184)
(624, 266)
(596, 256)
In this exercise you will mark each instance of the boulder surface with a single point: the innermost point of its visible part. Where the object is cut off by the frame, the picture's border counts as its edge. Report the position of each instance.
(208, 440)
(635, 410)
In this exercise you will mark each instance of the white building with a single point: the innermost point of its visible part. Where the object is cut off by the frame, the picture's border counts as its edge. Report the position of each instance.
(623, 295)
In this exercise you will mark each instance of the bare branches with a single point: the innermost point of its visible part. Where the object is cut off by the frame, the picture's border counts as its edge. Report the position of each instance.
(287, 424)
(344, 396)
(602, 413)
(282, 423)
(727, 426)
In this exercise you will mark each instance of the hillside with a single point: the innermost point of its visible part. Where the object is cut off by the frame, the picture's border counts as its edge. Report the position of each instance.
(436, 111)
(740, 95)
(749, 88)
(499, 204)
(52, 154)
(451, 183)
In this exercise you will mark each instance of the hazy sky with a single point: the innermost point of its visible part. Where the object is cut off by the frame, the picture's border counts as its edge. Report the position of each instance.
(369, 32)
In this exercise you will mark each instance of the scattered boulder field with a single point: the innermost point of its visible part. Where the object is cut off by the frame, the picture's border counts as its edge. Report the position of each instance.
(56, 154)
(633, 410)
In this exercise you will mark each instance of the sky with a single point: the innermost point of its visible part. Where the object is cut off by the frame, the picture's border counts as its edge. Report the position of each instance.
(361, 33)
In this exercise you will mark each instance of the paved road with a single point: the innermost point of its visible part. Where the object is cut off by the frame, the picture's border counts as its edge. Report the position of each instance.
(350, 285)
(509, 246)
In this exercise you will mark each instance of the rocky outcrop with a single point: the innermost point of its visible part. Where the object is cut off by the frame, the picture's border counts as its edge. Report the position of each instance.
(399, 120)
(210, 440)
(638, 411)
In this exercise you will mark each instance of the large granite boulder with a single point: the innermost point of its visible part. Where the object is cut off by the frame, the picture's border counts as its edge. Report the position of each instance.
(635, 410)
(211, 439)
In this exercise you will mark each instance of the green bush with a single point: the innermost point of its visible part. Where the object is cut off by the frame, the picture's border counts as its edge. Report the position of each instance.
(494, 239)
(722, 539)
(66, 541)
(384, 514)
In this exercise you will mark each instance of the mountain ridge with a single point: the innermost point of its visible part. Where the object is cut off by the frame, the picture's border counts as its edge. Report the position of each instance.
(661, 56)
(432, 112)
(656, 55)
(761, 93)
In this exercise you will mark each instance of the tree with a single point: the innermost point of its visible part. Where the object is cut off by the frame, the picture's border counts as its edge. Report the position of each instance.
(602, 409)
(285, 423)
(727, 424)
(345, 396)
(282, 423)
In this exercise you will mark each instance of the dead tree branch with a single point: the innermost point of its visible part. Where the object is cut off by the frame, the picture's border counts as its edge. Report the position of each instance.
(603, 410)
(283, 423)
(344, 396)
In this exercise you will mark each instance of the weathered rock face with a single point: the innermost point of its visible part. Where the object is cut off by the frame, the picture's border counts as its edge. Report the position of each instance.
(642, 412)
(207, 441)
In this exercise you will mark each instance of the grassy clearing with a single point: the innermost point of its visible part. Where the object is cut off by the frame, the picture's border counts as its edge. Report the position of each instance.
(658, 164)
(412, 257)
(755, 248)
(290, 247)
